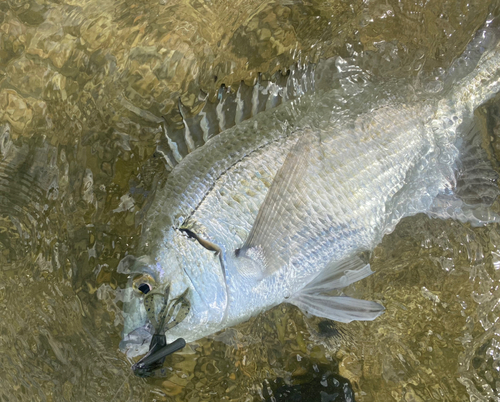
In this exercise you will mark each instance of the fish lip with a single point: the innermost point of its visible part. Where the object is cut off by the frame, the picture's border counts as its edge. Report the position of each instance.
(153, 361)
(133, 343)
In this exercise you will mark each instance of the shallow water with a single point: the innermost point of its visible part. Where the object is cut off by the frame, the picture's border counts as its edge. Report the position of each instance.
(78, 170)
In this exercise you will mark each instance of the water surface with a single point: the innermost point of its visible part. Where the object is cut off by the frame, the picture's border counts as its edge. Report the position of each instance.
(81, 83)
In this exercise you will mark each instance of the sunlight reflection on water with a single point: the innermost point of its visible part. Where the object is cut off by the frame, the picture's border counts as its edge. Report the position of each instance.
(81, 84)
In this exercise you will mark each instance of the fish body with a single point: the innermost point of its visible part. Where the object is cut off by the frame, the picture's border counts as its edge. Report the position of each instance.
(291, 197)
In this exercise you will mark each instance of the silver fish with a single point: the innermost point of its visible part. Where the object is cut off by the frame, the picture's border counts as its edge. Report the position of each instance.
(279, 207)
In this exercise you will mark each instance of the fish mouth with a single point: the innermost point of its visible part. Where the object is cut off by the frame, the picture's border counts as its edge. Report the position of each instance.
(171, 314)
(136, 343)
(152, 363)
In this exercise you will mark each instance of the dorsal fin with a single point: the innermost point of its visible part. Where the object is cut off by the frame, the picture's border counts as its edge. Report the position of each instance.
(188, 128)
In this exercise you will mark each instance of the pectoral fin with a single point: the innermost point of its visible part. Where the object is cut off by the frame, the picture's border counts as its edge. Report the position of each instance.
(283, 208)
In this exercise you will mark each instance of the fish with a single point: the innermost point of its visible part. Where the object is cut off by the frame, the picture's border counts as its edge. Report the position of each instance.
(283, 205)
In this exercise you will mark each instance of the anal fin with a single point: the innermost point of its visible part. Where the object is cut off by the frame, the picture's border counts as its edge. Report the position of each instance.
(476, 183)
(450, 206)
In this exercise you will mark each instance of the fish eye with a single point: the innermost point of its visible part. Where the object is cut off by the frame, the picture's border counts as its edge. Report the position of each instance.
(144, 287)
(143, 284)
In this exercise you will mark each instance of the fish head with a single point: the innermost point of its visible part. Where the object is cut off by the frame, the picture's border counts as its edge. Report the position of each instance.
(179, 268)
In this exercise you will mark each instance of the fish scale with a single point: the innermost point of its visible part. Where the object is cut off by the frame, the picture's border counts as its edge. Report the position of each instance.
(352, 187)
(342, 177)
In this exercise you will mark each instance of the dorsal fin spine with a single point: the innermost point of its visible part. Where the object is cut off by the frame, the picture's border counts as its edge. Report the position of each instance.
(183, 135)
